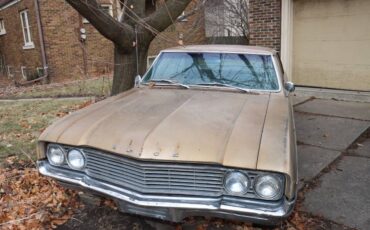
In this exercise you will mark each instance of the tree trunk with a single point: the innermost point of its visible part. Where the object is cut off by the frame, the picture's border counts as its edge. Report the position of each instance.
(122, 33)
(125, 69)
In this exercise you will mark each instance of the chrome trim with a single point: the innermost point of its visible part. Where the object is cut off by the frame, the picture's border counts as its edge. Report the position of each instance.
(160, 177)
(181, 206)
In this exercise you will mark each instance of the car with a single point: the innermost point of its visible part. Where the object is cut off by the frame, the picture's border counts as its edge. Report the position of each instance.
(207, 131)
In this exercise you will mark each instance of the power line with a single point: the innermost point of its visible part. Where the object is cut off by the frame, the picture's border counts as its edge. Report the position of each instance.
(142, 22)
(168, 12)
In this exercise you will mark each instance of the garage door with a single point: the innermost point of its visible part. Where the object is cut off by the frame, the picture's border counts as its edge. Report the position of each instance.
(331, 45)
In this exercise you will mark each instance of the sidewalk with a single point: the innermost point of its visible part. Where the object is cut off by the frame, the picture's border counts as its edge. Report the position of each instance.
(334, 161)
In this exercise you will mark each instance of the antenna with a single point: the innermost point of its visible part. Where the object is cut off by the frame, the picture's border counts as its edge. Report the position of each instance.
(137, 51)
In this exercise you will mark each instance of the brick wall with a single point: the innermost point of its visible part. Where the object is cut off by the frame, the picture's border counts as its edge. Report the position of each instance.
(265, 23)
(11, 43)
(68, 57)
(63, 49)
(99, 50)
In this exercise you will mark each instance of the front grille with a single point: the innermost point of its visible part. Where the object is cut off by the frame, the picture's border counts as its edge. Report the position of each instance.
(149, 177)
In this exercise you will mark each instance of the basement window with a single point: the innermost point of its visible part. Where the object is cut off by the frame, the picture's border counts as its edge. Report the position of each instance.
(2, 27)
(107, 8)
(24, 72)
(28, 43)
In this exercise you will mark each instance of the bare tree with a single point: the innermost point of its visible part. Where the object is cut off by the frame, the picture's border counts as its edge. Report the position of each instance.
(223, 20)
(138, 22)
(226, 18)
(237, 17)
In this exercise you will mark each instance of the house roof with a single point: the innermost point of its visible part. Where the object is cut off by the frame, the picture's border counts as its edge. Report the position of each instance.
(222, 48)
(6, 2)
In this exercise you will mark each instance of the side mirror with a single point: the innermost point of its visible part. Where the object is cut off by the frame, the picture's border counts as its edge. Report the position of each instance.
(138, 81)
(289, 86)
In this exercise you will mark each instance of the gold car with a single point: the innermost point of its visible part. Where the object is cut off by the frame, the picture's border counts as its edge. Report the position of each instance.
(207, 131)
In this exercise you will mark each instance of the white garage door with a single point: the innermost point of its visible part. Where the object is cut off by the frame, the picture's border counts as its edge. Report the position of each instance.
(331, 45)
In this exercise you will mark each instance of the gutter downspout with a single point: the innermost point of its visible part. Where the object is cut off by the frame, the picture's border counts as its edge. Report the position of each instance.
(42, 44)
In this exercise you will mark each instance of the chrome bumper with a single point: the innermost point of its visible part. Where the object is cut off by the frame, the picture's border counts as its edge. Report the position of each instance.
(173, 208)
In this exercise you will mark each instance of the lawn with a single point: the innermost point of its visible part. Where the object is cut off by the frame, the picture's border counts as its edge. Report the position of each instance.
(99, 87)
(21, 122)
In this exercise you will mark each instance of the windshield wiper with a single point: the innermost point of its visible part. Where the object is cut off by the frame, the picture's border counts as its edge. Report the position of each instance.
(228, 86)
(169, 82)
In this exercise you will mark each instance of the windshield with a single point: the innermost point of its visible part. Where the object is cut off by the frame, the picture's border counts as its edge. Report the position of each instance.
(248, 71)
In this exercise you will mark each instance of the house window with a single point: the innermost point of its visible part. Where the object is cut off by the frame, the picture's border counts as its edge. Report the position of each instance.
(107, 8)
(150, 6)
(182, 17)
(2, 27)
(28, 43)
(150, 61)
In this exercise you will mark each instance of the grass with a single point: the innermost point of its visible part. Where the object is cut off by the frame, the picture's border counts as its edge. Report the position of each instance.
(21, 123)
(99, 87)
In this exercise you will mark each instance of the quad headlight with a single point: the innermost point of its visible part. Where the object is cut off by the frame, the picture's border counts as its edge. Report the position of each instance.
(76, 159)
(55, 155)
(236, 183)
(268, 187)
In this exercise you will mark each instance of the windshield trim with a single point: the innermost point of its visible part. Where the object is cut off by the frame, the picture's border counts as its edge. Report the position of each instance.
(273, 57)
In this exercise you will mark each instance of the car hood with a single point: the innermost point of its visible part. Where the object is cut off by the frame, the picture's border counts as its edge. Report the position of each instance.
(176, 125)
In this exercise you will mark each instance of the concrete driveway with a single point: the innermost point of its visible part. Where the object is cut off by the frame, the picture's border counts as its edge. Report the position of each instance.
(334, 171)
(334, 160)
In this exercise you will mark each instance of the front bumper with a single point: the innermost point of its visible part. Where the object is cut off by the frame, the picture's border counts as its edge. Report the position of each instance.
(173, 208)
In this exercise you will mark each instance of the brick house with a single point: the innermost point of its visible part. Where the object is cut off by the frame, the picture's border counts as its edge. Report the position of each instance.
(45, 33)
(35, 34)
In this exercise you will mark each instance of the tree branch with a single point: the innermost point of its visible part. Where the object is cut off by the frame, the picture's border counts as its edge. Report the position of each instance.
(120, 33)
(161, 19)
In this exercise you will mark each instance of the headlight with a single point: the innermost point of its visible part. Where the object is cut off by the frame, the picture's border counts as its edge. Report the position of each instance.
(55, 155)
(76, 159)
(236, 183)
(268, 187)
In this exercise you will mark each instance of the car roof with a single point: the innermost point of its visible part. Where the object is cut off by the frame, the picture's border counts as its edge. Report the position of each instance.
(223, 49)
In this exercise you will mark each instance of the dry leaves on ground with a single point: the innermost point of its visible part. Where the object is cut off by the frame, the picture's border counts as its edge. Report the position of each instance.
(31, 201)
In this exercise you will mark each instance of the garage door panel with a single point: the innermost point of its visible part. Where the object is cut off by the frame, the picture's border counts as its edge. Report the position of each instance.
(331, 45)
(335, 52)
(313, 73)
(329, 8)
(334, 28)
